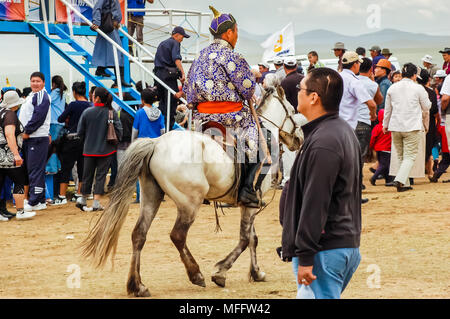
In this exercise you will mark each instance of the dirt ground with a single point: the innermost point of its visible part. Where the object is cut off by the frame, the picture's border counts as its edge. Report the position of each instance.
(405, 250)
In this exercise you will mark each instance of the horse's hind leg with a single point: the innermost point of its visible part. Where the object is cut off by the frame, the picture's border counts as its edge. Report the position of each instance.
(151, 197)
(247, 218)
(255, 273)
(185, 218)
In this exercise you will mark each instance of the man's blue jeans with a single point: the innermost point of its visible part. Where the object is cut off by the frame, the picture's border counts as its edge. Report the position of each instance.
(333, 268)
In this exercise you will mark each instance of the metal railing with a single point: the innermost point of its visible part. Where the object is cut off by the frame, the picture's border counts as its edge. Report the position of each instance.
(130, 57)
(171, 13)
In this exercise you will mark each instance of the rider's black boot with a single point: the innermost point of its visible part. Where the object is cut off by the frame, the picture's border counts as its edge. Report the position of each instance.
(249, 195)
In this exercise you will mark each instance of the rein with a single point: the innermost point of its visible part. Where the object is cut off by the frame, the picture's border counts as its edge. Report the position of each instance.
(287, 117)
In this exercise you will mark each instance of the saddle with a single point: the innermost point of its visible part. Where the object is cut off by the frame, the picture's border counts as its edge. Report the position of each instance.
(219, 133)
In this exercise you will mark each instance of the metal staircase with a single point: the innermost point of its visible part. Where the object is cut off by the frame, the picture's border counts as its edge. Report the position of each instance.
(65, 38)
(59, 45)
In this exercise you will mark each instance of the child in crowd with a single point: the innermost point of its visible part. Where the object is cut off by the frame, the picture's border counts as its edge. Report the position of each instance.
(396, 76)
(180, 118)
(148, 121)
(381, 143)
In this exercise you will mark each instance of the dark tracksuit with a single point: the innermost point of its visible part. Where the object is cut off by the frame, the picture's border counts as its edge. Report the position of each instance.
(35, 149)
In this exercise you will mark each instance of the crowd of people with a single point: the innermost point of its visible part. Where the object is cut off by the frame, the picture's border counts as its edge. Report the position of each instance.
(365, 107)
(370, 97)
(43, 135)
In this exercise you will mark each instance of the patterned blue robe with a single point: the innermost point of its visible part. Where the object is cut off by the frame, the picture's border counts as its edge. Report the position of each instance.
(103, 51)
(222, 75)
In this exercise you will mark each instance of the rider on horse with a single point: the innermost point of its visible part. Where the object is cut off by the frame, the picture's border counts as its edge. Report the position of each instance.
(218, 84)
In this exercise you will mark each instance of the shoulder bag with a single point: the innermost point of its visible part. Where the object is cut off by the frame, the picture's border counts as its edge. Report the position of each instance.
(111, 136)
(6, 156)
(107, 24)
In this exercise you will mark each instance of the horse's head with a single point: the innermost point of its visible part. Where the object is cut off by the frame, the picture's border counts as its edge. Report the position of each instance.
(276, 112)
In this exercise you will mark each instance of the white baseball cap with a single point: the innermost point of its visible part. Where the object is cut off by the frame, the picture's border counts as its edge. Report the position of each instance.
(440, 74)
(278, 61)
(264, 64)
(290, 61)
(427, 58)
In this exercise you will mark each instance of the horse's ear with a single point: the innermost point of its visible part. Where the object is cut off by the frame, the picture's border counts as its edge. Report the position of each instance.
(280, 92)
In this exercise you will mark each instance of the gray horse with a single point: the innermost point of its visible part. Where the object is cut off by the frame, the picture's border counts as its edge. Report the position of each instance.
(189, 167)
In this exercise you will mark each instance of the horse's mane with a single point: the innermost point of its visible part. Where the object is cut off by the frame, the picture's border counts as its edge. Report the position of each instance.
(270, 91)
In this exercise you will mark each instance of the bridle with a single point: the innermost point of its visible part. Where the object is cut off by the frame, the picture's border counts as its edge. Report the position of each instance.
(282, 133)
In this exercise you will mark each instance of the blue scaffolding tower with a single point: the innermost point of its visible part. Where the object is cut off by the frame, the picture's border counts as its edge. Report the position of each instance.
(61, 31)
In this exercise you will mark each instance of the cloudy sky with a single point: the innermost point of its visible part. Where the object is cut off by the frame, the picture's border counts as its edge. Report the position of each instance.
(348, 17)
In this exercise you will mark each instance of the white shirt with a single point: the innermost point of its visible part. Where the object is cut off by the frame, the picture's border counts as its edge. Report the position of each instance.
(27, 109)
(363, 110)
(445, 90)
(406, 101)
(354, 95)
(280, 74)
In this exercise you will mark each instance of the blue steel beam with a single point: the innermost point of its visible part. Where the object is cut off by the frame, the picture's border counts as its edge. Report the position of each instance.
(36, 29)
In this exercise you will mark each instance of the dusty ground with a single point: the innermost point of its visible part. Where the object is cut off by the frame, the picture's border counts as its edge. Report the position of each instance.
(405, 244)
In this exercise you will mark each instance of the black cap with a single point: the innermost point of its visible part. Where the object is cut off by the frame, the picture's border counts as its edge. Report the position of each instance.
(181, 31)
(446, 50)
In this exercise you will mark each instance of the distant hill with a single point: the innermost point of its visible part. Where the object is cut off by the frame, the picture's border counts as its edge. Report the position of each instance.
(323, 40)
(389, 38)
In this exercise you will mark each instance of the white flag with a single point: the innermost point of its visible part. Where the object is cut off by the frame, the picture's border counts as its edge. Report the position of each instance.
(281, 43)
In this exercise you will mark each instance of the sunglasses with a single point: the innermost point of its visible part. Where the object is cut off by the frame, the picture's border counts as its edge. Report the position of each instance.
(307, 90)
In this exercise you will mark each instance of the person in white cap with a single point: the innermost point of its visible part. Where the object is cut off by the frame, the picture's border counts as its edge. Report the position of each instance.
(355, 93)
(439, 78)
(280, 72)
(290, 86)
(432, 68)
(264, 69)
(292, 80)
(11, 131)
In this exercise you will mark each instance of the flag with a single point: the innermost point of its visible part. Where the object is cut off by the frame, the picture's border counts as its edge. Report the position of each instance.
(281, 43)
(12, 10)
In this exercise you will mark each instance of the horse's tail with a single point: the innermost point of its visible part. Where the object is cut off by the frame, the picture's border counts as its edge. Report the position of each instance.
(103, 237)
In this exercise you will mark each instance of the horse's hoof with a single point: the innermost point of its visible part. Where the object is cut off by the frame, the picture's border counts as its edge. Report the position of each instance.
(259, 276)
(143, 292)
(198, 280)
(218, 280)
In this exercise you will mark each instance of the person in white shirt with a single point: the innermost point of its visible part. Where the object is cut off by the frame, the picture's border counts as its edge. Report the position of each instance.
(406, 113)
(445, 103)
(355, 93)
(280, 71)
(35, 116)
(364, 129)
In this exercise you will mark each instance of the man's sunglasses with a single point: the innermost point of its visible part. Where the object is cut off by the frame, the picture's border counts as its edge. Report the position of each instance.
(307, 90)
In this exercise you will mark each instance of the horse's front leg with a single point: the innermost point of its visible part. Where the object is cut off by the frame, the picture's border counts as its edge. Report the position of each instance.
(247, 218)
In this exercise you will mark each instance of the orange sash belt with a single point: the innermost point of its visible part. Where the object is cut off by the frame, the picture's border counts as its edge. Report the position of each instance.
(219, 107)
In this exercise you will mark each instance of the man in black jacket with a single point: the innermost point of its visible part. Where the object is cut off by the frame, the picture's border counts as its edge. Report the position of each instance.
(322, 212)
